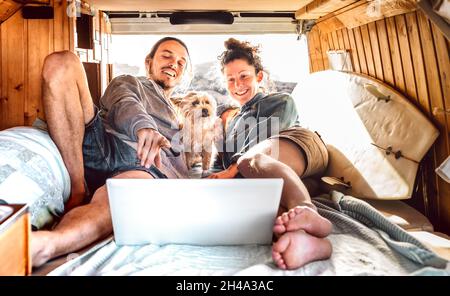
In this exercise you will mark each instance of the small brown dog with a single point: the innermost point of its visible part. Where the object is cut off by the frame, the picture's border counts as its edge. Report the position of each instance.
(197, 117)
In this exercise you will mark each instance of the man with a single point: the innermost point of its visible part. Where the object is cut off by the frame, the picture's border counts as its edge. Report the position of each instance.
(132, 136)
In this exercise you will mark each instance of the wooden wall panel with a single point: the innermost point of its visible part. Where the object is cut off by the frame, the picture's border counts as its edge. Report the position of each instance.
(405, 54)
(358, 16)
(410, 54)
(375, 48)
(360, 50)
(368, 50)
(24, 46)
(8, 8)
(354, 51)
(385, 52)
(395, 54)
(13, 70)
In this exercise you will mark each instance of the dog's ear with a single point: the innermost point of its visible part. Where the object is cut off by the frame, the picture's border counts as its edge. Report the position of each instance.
(212, 100)
(191, 94)
(176, 101)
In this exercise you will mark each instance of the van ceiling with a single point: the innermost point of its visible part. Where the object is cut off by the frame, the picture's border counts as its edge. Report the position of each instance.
(199, 5)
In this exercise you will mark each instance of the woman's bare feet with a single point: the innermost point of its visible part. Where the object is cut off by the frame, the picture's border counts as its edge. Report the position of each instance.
(41, 248)
(300, 233)
(305, 218)
(297, 248)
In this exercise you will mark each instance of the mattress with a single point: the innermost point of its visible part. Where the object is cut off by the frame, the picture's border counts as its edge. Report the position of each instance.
(364, 243)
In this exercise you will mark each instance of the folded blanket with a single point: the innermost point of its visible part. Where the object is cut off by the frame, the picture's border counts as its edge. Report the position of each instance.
(33, 172)
(364, 243)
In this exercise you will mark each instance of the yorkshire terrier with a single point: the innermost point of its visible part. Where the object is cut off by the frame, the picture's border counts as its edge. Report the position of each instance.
(198, 120)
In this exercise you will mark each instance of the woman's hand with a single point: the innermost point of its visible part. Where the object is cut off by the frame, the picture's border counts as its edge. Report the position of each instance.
(149, 146)
(228, 173)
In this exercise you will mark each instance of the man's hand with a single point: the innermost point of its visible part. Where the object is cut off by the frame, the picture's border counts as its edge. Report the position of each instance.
(150, 143)
(228, 173)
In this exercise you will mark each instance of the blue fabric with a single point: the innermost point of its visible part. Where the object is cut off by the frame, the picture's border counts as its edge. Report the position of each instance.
(105, 155)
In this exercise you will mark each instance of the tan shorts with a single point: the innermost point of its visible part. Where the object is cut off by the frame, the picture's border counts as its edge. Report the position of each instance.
(313, 148)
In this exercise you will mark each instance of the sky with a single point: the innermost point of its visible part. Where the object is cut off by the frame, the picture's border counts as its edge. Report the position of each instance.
(283, 55)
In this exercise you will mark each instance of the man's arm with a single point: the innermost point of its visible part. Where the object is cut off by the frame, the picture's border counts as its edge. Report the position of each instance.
(127, 114)
(125, 108)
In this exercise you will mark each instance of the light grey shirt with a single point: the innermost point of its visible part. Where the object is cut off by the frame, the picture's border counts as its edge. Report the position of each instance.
(133, 103)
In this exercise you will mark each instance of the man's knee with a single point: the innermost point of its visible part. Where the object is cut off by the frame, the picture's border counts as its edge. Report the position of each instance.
(57, 65)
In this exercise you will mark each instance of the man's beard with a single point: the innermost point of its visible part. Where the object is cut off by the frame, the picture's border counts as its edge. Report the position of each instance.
(163, 85)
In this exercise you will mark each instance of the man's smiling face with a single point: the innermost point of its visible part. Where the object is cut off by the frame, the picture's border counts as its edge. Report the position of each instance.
(169, 64)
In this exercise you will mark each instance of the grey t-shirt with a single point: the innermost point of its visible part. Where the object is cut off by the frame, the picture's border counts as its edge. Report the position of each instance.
(132, 103)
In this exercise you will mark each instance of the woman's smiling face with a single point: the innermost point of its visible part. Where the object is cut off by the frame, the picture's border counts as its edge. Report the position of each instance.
(242, 81)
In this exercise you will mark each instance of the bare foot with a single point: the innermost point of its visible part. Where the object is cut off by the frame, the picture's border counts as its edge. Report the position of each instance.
(41, 247)
(305, 218)
(297, 248)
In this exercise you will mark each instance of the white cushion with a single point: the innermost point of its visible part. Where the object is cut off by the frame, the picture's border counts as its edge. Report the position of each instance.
(353, 122)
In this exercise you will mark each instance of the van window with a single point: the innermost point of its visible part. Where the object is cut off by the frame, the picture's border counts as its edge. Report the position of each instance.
(283, 55)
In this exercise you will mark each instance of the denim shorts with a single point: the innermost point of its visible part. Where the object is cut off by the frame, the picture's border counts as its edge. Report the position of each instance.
(105, 155)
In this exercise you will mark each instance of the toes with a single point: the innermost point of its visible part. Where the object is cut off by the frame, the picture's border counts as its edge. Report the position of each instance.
(292, 214)
(279, 221)
(281, 245)
(310, 221)
(281, 264)
(299, 209)
(276, 256)
(279, 229)
(285, 217)
(278, 260)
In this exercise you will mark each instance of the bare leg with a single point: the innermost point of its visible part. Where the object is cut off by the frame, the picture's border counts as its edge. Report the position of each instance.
(79, 227)
(258, 163)
(302, 230)
(68, 107)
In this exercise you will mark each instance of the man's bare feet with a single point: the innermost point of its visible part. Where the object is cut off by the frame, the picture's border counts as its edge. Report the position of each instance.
(305, 218)
(297, 248)
(41, 247)
(300, 233)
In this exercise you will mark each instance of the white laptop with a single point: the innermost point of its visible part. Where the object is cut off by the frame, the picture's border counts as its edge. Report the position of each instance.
(193, 211)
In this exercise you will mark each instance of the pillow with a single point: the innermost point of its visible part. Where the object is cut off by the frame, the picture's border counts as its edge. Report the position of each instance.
(32, 172)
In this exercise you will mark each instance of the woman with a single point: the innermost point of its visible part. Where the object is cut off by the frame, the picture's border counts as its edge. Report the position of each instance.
(263, 139)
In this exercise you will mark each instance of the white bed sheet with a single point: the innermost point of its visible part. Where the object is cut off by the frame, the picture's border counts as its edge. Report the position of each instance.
(364, 243)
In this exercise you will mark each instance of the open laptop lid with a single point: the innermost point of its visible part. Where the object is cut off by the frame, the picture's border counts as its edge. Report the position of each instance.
(198, 212)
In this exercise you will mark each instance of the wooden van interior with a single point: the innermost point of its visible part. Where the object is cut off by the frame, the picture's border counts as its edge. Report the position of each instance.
(398, 43)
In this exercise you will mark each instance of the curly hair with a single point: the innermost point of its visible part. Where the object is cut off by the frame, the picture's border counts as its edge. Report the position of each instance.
(236, 50)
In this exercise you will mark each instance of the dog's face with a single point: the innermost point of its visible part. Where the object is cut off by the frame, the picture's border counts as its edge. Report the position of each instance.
(196, 105)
